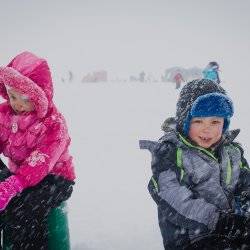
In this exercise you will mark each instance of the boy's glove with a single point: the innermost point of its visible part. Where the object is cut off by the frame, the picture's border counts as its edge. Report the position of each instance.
(231, 225)
(8, 189)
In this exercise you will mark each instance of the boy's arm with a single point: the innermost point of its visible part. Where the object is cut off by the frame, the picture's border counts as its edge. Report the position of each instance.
(176, 201)
(244, 177)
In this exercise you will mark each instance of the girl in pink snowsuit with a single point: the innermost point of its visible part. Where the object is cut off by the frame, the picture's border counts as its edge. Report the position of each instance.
(34, 137)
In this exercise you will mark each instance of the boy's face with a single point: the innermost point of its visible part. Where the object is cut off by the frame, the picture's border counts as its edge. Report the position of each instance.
(206, 131)
(19, 103)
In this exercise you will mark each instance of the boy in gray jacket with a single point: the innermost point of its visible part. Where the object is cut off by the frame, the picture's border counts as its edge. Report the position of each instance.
(198, 170)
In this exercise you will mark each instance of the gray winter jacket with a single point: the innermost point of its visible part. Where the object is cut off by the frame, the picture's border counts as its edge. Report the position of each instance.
(191, 185)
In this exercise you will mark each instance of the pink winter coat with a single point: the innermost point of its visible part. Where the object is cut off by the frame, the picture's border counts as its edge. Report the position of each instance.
(35, 143)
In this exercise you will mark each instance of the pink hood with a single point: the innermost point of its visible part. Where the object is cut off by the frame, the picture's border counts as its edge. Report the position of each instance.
(31, 76)
(36, 143)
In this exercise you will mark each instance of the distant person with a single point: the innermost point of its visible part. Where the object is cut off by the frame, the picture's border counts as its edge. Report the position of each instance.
(34, 137)
(178, 80)
(199, 172)
(142, 76)
(211, 72)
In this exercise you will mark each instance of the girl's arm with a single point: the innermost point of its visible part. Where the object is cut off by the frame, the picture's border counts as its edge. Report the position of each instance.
(43, 158)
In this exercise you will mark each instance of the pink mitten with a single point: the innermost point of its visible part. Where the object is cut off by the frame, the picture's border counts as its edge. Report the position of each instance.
(8, 189)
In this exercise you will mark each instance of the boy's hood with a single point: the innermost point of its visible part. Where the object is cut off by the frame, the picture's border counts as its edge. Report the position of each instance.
(172, 136)
(30, 76)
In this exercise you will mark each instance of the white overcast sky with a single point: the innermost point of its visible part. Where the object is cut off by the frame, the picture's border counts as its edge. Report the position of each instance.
(125, 37)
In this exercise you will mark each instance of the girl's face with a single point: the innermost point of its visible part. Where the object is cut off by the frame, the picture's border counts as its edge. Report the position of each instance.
(19, 103)
(206, 131)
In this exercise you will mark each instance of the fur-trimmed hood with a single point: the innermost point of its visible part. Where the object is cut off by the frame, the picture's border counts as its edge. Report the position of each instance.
(29, 75)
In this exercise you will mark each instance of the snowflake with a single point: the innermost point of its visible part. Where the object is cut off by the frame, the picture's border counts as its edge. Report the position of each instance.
(36, 157)
(14, 127)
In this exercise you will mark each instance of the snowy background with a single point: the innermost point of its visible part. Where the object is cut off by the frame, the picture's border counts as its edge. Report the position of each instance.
(110, 208)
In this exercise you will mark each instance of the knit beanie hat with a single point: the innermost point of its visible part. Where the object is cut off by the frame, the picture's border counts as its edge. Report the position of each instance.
(202, 98)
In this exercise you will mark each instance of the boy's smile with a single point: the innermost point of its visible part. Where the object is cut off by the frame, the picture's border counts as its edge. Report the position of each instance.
(206, 131)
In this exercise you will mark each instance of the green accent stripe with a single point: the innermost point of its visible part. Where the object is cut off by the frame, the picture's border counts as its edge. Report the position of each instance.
(179, 161)
(197, 147)
(244, 166)
(229, 172)
(241, 164)
(155, 183)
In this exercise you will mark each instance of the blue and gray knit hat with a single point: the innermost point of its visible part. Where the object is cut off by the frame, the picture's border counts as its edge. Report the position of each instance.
(202, 98)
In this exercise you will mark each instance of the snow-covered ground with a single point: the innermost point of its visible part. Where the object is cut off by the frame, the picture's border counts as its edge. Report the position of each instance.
(110, 208)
